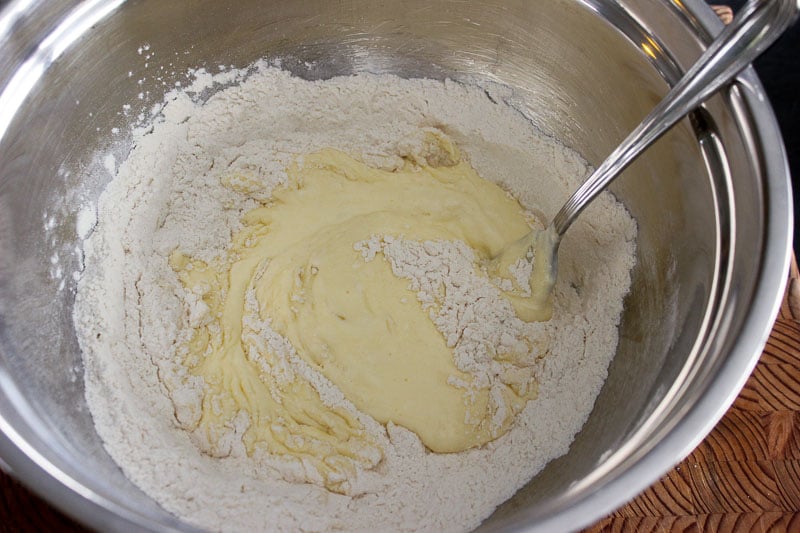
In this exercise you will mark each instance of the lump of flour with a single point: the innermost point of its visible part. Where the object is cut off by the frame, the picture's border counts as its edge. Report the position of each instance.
(285, 321)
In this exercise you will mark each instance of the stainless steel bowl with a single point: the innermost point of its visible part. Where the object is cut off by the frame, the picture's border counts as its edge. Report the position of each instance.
(712, 200)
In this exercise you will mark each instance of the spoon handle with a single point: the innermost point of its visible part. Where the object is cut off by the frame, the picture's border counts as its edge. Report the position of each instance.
(753, 30)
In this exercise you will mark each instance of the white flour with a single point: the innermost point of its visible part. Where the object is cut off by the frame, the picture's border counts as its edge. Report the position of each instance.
(476, 321)
(131, 310)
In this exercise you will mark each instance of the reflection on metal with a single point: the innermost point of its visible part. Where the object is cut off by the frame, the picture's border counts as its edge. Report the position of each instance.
(72, 28)
(649, 50)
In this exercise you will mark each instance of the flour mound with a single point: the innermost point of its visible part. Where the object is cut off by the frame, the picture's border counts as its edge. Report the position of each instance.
(187, 183)
(488, 340)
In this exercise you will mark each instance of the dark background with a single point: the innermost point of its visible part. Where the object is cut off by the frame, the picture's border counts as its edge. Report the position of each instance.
(779, 71)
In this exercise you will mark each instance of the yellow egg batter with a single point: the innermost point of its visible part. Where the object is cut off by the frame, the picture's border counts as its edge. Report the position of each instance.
(294, 267)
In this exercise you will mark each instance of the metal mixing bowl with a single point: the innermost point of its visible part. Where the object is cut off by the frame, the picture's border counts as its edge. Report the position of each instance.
(712, 200)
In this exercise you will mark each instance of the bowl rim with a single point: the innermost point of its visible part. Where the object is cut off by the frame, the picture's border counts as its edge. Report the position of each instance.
(84, 504)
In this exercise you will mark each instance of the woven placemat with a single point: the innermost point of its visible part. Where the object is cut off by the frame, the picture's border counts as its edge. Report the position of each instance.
(745, 476)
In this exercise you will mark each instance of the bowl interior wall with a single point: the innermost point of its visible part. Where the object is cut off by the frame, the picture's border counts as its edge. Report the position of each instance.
(577, 78)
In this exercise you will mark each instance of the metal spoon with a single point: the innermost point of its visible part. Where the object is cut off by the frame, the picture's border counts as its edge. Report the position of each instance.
(753, 30)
